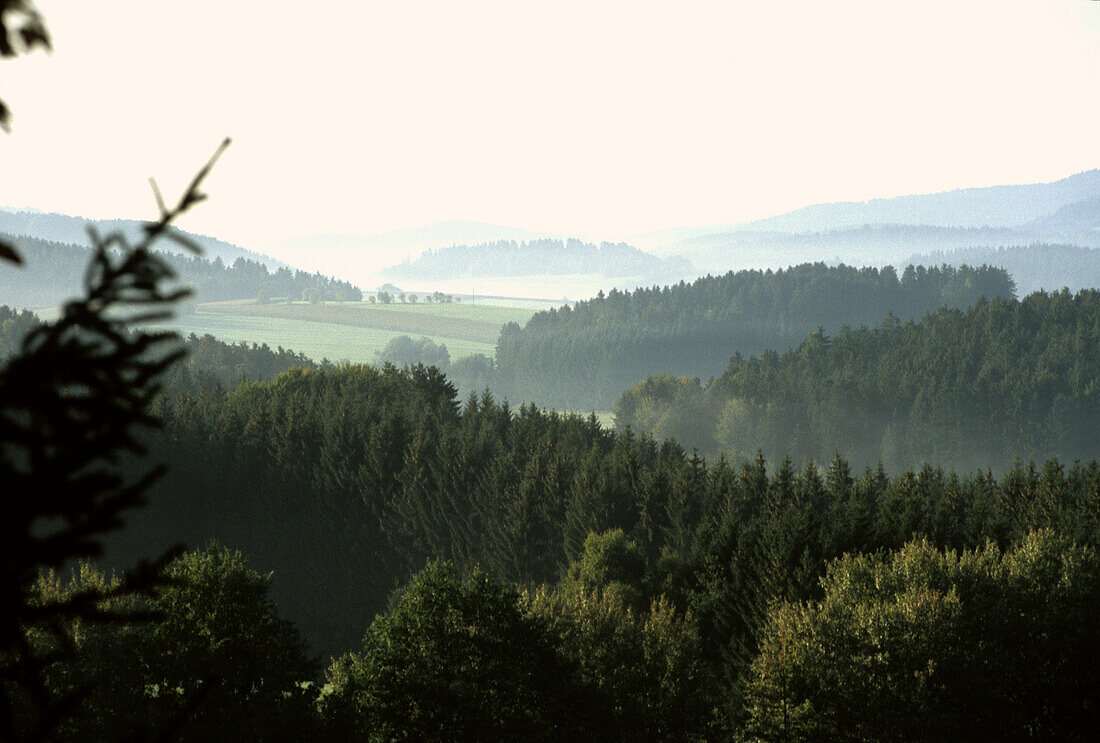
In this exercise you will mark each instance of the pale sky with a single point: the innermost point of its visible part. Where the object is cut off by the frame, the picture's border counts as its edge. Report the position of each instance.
(601, 119)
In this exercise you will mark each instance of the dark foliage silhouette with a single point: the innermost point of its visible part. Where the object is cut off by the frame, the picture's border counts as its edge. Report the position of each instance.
(72, 402)
(22, 29)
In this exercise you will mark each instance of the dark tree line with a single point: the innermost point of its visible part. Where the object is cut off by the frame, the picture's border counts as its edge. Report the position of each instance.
(53, 270)
(969, 389)
(583, 356)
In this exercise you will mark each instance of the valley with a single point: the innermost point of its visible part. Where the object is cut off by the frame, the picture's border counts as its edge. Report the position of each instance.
(352, 331)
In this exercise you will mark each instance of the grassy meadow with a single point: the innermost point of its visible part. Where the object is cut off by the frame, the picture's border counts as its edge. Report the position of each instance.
(352, 331)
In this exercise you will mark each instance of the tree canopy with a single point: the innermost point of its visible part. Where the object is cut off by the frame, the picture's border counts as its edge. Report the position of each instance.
(202, 658)
(926, 645)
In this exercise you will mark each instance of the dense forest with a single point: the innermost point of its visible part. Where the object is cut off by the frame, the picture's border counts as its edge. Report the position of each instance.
(55, 270)
(969, 389)
(595, 583)
(538, 257)
(583, 356)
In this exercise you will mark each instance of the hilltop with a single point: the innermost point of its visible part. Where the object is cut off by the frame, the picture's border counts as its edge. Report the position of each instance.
(69, 230)
(539, 257)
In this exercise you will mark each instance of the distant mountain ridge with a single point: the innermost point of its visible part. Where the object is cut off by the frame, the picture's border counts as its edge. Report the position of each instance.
(52, 273)
(506, 258)
(1003, 206)
(887, 231)
(360, 258)
(877, 232)
(991, 206)
(68, 230)
(1079, 221)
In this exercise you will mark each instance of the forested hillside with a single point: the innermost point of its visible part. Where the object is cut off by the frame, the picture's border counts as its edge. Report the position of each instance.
(595, 584)
(583, 356)
(971, 389)
(53, 271)
(662, 571)
(538, 257)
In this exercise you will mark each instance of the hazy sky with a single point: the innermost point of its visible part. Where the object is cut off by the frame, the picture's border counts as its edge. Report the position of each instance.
(596, 118)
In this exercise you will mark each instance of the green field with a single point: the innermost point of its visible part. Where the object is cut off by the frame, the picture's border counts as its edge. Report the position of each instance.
(352, 331)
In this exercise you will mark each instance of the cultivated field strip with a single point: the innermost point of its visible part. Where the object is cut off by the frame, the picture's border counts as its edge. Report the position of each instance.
(462, 322)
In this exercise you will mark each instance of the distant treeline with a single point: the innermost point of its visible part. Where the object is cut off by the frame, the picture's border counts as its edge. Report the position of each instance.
(537, 257)
(583, 356)
(1034, 267)
(53, 271)
(965, 389)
